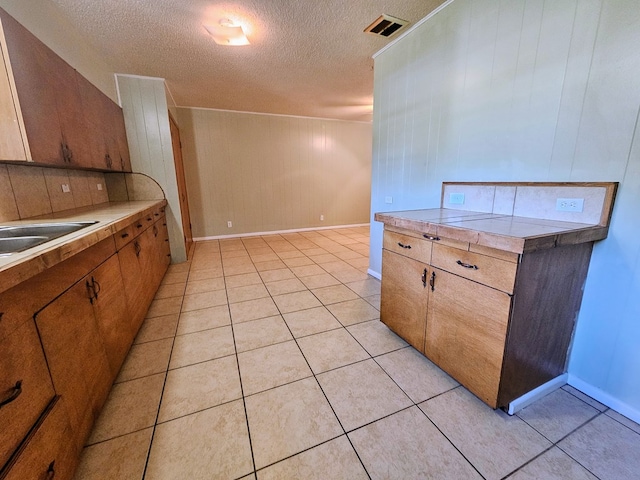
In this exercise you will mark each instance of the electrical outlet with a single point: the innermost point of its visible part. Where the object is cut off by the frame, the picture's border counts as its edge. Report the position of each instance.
(229, 224)
(65, 188)
(570, 204)
(99, 186)
(322, 218)
(456, 198)
(388, 199)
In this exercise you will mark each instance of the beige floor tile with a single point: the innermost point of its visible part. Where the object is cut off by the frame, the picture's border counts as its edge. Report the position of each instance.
(170, 290)
(241, 252)
(264, 257)
(415, 374)
(554, 464)
(359, 262)
(260, 333)
(314, 251)
(200, 386)
(332, 349)
(146, 359)
(374, 301)
(207, 285)
(350, 276)
(406, 445)
(324, 258)
(239, 269)
(335, 460)
(308, 322)
(157, 328)
(179, 267)
(292, 302)
(201, 346)
(271, 366)
(236, 261)
(376, 338)
(209, 268)
(585, 398)
(366, 288)
(353, 311)
(307, 270)
(557, 414)
(275, 275)
(203, 319)
(122, 457)
(177, 277)
(623, 420)
(337, 266)
(270, 265)
(243, 280)
(249, 292)
(281, 287)
(362, 393)
(495, 443)
(610, 450)
(318, 281)
(290, 254)
(213, 443)
(207, 274)
(131, 406)
(334, 294)
(198, 301)
(164, 306)
(253, 309)
(289, 419)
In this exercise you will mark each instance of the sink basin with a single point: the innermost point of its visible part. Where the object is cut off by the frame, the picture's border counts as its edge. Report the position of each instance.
(17, 244)
(16, 238)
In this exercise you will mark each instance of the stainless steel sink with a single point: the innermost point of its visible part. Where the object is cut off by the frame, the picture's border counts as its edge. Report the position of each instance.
(16, 238)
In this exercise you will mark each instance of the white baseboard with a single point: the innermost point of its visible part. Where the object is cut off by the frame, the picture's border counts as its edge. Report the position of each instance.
(276, 232)
(537, 393)
(605, 398)
(374, 274)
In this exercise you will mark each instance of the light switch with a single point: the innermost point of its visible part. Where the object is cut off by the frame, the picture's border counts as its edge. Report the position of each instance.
(99, 186)
(388, 199)
(65, 188)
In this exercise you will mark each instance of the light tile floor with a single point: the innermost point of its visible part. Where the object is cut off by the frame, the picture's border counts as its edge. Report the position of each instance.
(264, 358)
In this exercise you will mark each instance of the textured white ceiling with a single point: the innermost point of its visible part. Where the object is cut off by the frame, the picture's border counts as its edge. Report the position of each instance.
(307, 57)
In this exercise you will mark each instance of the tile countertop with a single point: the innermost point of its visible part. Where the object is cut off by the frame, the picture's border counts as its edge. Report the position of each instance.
(111, 218)
(504, 232)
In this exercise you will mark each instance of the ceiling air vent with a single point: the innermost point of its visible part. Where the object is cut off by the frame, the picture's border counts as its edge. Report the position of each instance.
(386, 25)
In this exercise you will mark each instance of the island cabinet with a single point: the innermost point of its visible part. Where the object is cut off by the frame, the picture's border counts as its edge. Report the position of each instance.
(49, 113)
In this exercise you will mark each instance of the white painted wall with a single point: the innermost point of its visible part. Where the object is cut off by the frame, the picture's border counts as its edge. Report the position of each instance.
(144, 104)
(490, 90)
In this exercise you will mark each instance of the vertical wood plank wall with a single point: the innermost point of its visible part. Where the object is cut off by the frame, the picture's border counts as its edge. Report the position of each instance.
(490, 90)
(269, 172)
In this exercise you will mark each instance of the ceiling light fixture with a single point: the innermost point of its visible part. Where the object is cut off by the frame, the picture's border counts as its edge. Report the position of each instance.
(227, 33)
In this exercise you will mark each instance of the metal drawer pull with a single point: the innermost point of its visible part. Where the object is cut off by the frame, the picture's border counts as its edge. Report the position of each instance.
(424, 278)
(17, 390)
(139, 225)
(429, 237)
(51, 471)
(403, 245)
(432, 281)
(467, 265)
(125, 235)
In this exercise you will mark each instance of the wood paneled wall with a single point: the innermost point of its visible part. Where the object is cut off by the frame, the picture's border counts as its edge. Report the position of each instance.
(490, 90)
(268, 173)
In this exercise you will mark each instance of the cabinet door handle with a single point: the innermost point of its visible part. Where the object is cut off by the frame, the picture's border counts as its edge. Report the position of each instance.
(430, 237)
(467, 265)
(424, 278)
(432, 281)
(17, 390)
(125, 235)
(155, 231)
(95, 283)
(137, 248)
(91, 292)
(403, 245)
(51, 471)
(139, 225)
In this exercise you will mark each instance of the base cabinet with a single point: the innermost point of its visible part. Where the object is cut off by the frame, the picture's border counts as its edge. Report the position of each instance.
(498, 322)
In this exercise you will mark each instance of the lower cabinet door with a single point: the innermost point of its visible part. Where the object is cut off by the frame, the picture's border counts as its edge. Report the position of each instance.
(132, 277)
(49, 452)
(466, 332)
(76, 356)
(404, 297)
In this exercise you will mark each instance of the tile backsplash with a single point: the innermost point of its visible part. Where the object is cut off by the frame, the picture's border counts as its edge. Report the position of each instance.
(29, 191)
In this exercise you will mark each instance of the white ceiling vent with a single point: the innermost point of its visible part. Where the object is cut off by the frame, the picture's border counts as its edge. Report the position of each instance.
(386, 25)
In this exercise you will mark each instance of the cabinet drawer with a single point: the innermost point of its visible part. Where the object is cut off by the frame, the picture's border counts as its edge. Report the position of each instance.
(124, 236)
(49, 452)
(24, 384)
(408, 246)
(493, 272)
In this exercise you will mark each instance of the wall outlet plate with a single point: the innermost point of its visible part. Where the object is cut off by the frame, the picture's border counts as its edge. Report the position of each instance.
(229, 224)
(388, 199)
(570, 204)
(99, 186)
(322, 218)
(456, 198)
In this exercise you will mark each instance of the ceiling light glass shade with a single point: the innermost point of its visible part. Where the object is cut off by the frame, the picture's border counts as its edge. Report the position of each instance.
(227, 34)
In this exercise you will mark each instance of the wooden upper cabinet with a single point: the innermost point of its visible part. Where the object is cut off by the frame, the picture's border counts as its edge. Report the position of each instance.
(52, 115)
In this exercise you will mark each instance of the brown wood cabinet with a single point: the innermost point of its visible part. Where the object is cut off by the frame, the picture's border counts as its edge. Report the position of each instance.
(52, 114)
(498, 322)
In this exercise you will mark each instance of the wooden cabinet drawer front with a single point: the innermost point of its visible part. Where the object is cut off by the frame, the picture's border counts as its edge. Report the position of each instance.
(493, 272)
(408, 246)
(49, 452)
(125, 235)
(24, 384)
